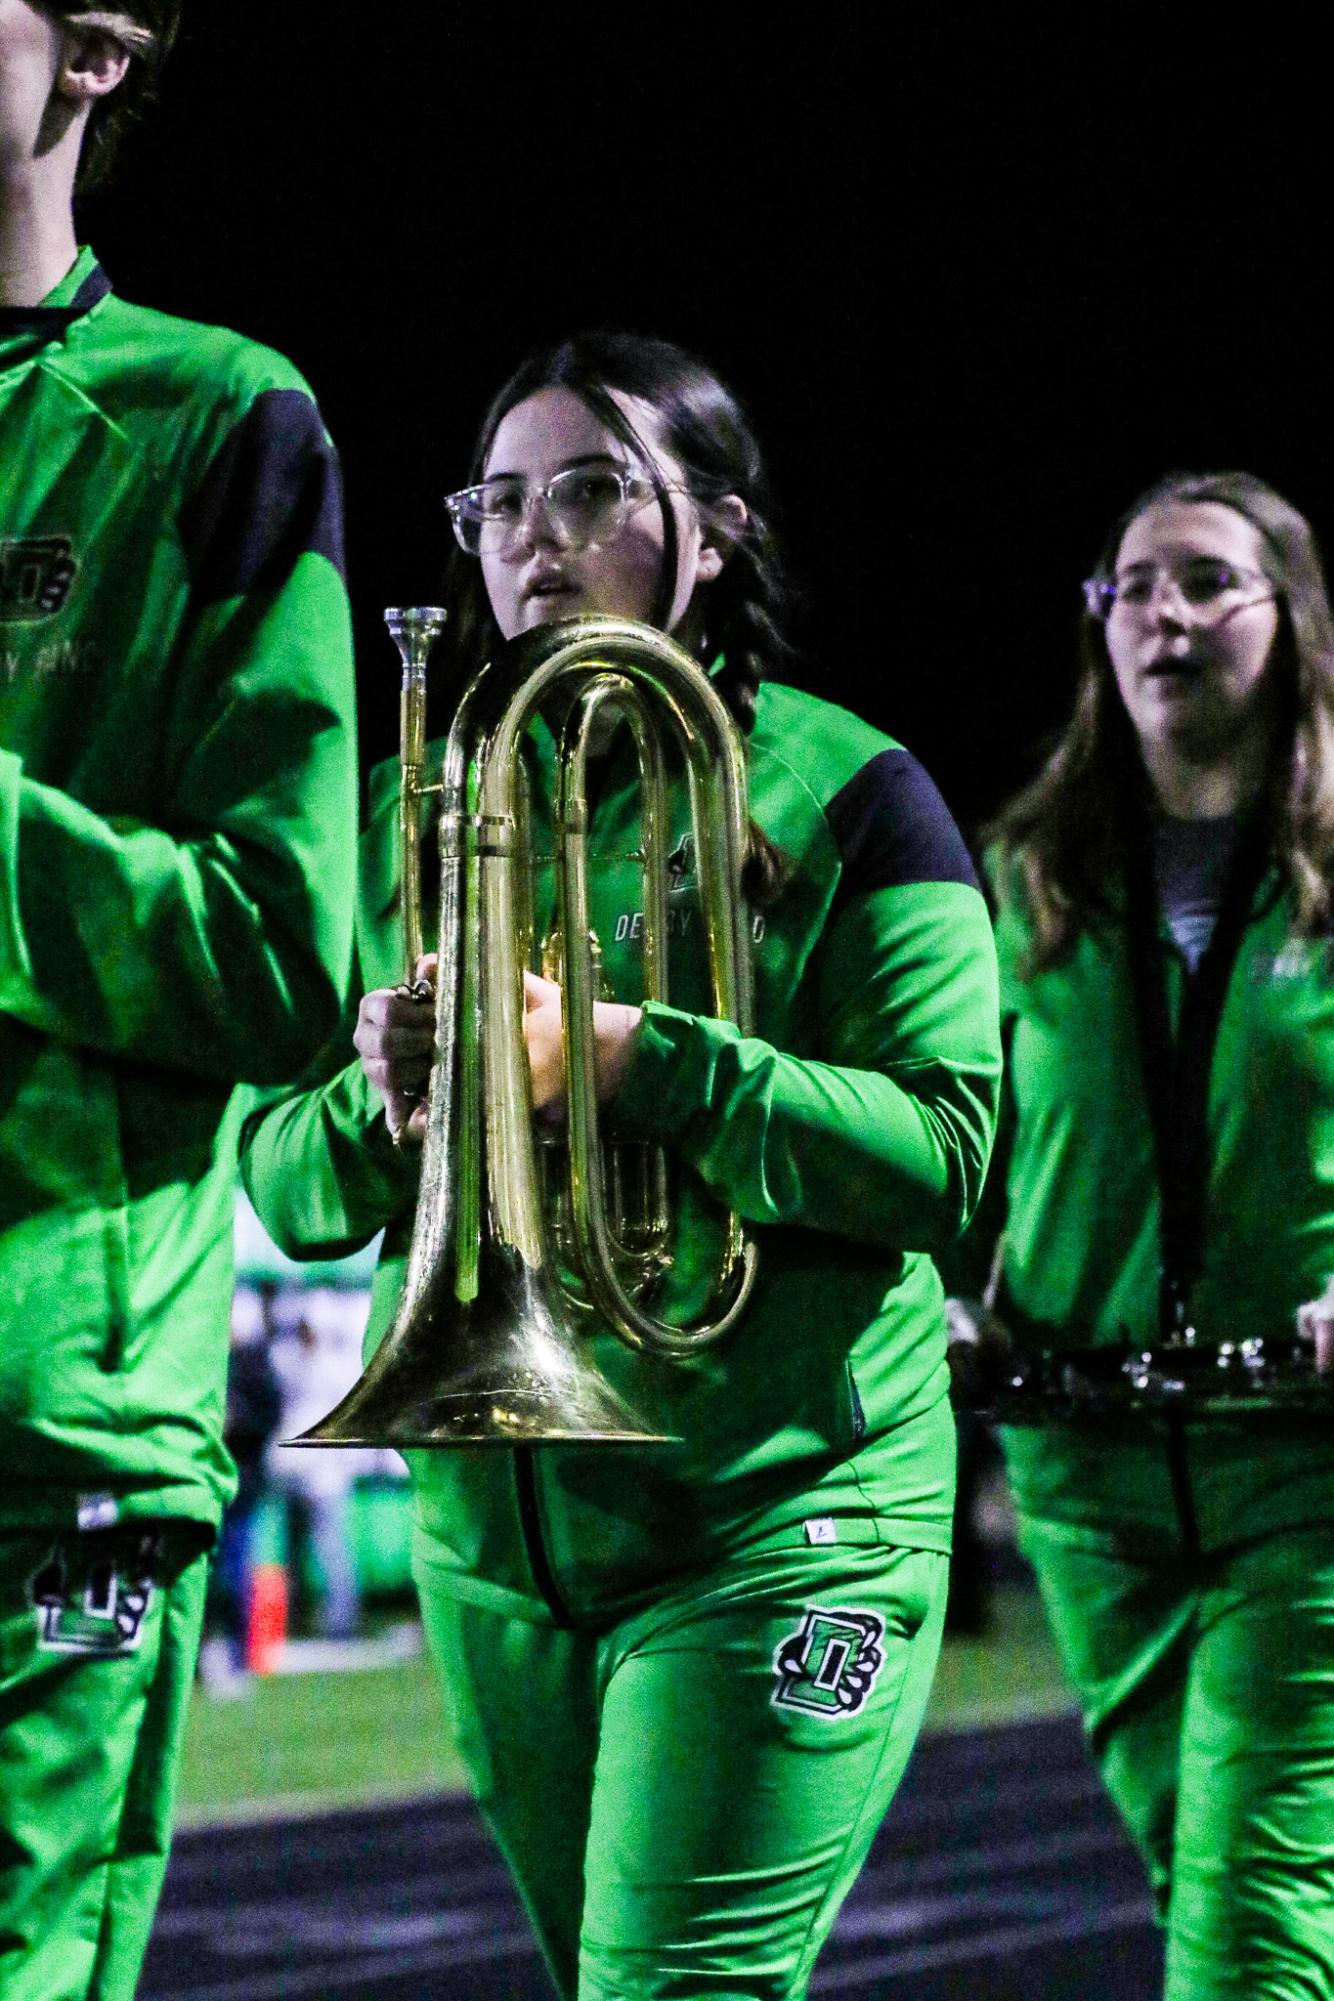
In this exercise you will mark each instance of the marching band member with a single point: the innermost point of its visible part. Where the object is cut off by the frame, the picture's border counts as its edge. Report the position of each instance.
(685, 1679)
(177, 770)
(1164, 938)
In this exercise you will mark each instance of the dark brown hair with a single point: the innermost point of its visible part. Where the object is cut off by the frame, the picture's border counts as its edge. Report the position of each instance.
(706, 431)
(1061, 840)
(145, 29)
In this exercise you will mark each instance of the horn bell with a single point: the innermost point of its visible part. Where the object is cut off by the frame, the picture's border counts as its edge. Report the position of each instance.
(506, 1368)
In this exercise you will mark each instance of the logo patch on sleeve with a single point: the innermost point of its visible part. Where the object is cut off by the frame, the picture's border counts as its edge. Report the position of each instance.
(829, 1665)
(35, 577)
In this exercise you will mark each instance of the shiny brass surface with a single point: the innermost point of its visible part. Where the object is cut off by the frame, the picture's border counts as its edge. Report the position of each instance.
(414, 630)
(488, 1347)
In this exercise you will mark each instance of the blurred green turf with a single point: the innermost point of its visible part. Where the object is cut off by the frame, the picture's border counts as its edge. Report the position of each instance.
(305, 1742)
(1011, 1674)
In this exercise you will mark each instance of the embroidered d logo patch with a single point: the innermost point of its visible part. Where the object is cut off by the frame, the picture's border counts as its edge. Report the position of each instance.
(830, 1663)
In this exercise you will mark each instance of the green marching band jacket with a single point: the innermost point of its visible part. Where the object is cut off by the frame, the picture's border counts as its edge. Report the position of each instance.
(177, 800)
(1080, 1207)
(852, 1129)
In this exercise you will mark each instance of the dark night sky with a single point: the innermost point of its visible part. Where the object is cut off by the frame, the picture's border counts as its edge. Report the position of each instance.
(979, 281)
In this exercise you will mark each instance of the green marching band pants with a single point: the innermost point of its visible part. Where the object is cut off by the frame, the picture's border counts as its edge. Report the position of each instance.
(685, 1798)
(1207, 1685)
(98, 1636)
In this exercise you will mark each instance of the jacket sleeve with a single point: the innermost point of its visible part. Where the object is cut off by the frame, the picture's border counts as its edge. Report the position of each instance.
(883, 1137)
(966, 1266)
(212, 934)
(321, 1170)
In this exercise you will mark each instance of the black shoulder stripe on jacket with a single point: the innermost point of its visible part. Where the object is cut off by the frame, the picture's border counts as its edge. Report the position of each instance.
(273, 493)
(892, 828)
(94, 288)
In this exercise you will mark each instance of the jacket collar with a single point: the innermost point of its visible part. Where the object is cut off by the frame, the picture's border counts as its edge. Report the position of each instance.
(25, 330)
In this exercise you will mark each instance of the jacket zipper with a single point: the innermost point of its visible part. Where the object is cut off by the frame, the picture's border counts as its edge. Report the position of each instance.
(858, 1413)
(1178, 1467)
(530, 1524)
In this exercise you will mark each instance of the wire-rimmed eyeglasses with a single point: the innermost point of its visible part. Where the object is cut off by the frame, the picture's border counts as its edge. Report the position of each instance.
(1210, 588)
(583, 504)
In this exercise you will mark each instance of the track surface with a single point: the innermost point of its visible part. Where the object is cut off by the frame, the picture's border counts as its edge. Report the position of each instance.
(1001, 1875)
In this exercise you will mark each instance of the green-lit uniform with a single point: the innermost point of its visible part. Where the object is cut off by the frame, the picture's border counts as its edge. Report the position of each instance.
(177, 778)
(686, 1678)
(1188, 1566)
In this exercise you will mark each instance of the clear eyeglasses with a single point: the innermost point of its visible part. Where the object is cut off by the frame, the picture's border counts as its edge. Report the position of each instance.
(1209, 587)
(582, 505)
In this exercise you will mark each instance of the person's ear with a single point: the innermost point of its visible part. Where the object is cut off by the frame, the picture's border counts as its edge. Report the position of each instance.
(94, 64)
(720, 529)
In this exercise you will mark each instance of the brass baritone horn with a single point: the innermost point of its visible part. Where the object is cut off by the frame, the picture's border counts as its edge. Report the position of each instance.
(488, 1346)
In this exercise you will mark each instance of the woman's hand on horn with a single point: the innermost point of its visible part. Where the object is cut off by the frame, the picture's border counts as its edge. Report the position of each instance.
(614, 1029)
(394, 1038)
